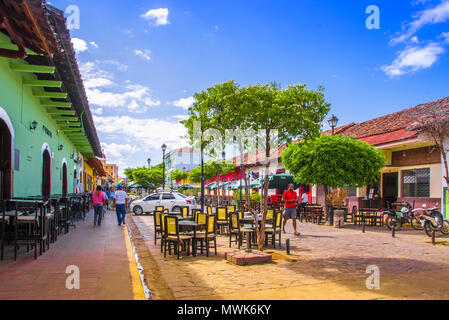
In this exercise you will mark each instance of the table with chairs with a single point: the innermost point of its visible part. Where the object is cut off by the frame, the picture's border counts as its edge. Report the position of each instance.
(37, 222)
(368, 216)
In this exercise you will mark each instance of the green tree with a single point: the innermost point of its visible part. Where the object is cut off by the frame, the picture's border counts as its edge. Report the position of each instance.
(264, 111)
(145, 177)
(334, 161)
(179, 175)
(277, 116)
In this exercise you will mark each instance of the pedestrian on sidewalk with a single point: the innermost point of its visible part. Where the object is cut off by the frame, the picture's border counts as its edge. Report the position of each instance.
(290, 198)
(120, 204)
(98, 201)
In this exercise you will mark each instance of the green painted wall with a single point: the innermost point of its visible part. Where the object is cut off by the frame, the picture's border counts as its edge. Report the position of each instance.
(23, 108)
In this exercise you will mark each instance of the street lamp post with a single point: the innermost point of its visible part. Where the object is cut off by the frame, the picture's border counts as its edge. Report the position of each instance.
(164, 148)
(333, 122)
(202, 179)
(149, 163)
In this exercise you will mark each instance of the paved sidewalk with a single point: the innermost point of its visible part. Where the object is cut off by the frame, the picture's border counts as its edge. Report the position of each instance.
(325, 263)
(103, 255)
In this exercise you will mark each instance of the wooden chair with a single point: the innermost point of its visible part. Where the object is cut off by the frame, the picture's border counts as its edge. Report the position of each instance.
(222, 219)
(208, 236)
(350, 216)
(185, 211)
(172, 236)
(26, 228)
(157, 225)
(236, 230)
(163, 230)
(274, 230)
(166, 211)
(195, 213)
(270, 215)
(209, 210)
(231, 208)
(159, 208)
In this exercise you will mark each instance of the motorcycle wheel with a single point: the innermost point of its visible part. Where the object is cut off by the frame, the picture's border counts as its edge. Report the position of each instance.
(428, 228)
(390, 222)
(416, 224)
(445, 229)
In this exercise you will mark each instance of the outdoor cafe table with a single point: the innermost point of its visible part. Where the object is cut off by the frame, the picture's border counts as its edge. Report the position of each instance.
(188, 225)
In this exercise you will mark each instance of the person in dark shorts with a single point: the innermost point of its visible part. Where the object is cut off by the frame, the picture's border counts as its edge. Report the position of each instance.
(290, 199)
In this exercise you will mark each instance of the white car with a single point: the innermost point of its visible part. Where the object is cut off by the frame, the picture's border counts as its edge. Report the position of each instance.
(172, 201)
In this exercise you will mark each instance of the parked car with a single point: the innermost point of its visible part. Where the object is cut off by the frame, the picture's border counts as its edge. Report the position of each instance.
(173, 201)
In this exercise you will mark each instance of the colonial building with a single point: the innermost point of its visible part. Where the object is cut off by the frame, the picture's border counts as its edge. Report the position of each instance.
(112, 170)
(413, 169)
(183, 159)
(48, 140)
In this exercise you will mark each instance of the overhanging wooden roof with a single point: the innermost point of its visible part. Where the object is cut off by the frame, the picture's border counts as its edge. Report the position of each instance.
(39, 35)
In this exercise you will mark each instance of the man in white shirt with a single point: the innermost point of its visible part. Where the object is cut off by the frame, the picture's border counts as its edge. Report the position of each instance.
(120, 204)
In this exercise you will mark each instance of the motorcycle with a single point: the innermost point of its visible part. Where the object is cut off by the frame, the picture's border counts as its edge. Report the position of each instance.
(434, 221)
(406, 215)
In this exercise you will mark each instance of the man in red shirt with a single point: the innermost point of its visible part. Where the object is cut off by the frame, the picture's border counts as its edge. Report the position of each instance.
(290, 198)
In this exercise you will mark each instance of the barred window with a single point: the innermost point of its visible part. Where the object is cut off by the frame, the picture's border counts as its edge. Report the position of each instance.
(416, 183)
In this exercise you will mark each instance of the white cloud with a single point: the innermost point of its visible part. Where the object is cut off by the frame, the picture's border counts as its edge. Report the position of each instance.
(98, 111)
(413, 59)
(416, 2)
(79, 45)
(445, 36)
(181, 117)
(159, 17)
(184, 103)
(216, 28)
(117, 151)
(136, 98)
(144, 54)
(434, 15)
(146, 134)
(97, 83)
(93, 44)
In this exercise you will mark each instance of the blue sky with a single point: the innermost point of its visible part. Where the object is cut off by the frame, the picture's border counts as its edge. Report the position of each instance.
(143, 60)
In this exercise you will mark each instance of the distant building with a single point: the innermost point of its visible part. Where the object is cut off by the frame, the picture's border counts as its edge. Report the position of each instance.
(183, 159)
(112, 170)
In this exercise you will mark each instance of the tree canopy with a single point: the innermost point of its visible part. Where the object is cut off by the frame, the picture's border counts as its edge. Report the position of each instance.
(334, 161)
(179, 175)
(146, 177)
(212, 169)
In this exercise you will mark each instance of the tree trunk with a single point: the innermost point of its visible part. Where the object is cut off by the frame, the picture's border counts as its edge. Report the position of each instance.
(261, 234)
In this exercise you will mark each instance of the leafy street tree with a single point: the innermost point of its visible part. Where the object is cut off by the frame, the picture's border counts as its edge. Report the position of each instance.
(146, 177)
(273, 115)
(334, 161)
(212, 169)
(179, 175)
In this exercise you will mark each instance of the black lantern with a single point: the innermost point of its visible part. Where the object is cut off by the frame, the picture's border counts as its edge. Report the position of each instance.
(333, 122)
(33, 125)
(149, 163)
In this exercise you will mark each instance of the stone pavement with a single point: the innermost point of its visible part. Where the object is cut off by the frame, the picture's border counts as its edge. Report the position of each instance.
(325, 263)
(103, 254)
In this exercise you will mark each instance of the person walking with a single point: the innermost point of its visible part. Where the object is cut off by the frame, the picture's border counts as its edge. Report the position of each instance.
(111, 197)
(120, 204)
(302, 206)
(290, 198)
(98, 200)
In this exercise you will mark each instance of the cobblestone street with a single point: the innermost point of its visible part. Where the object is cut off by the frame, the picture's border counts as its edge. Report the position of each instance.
(325, 263)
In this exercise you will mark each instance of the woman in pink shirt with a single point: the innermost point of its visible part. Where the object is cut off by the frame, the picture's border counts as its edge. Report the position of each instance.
(98, 200)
